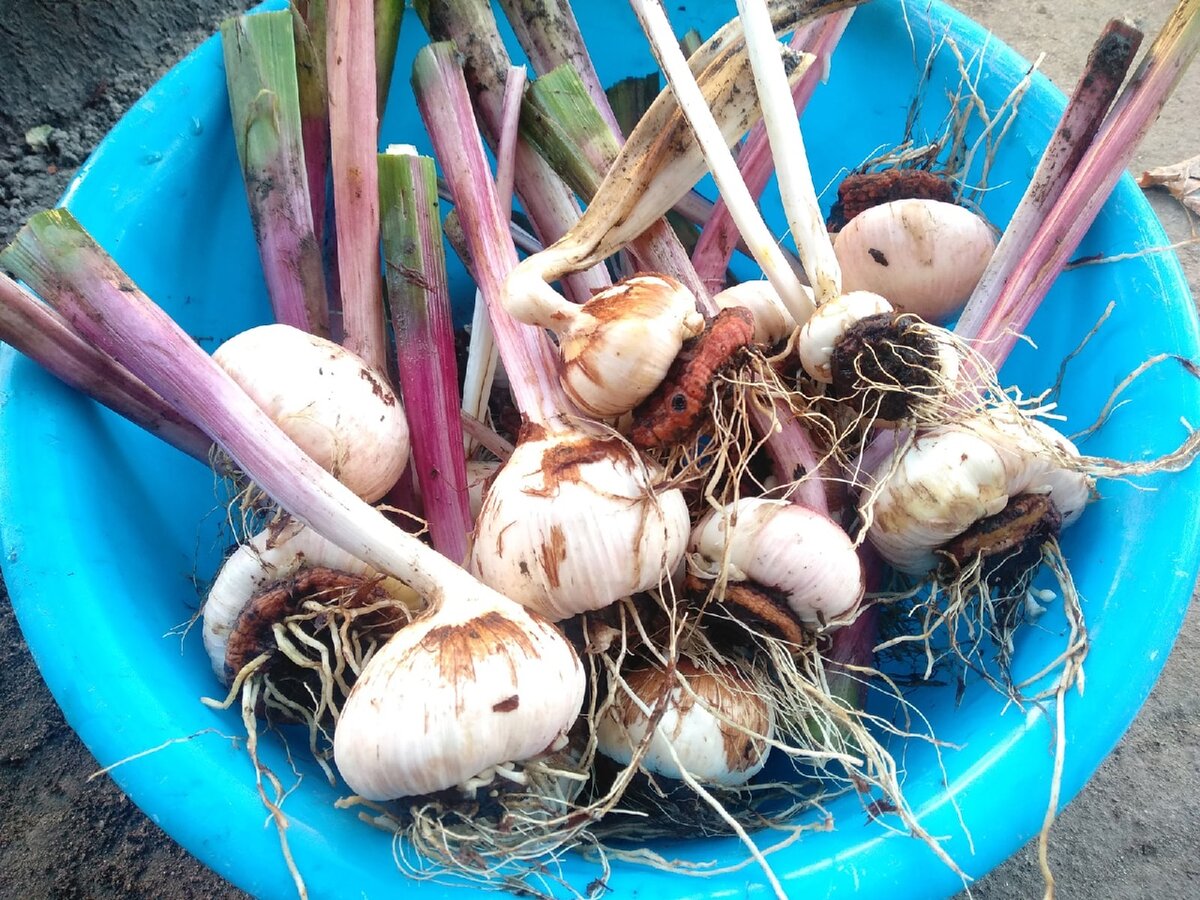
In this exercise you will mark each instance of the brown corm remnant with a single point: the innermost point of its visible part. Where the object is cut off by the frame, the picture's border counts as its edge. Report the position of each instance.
(753, 606)
(1010, 542)
(675, 410)
(252, 632)
(884, 364)
(861, 191)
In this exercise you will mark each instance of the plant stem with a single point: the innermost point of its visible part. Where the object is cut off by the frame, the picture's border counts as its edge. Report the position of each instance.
(445, 105)
(353, 124)
(420, 303)
(482, 356)
(1086, 191)
(793, 455)
(720, 236)
(720, 161)
(1106, 67)
(851, 654)
(264, 101)
(550, 36)
(108, 310)
(34, 329)
(483, 359)
(791, 159)
(629, 99)
(308, 26)
(657, 166)
(551, 206)
(506, 151)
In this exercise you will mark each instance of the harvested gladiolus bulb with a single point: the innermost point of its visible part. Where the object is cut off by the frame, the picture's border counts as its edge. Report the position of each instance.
(575, 521)
(452, 695)
(954, 477)
(715, 727)
(340, 411)
(617, 347)
(924, 256)
(797, 557)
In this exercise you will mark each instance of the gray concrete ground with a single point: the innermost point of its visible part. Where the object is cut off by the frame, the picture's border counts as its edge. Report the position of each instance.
(76, 64)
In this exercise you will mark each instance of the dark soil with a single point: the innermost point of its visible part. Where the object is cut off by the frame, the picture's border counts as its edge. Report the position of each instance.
(61, 835)
(75, 66)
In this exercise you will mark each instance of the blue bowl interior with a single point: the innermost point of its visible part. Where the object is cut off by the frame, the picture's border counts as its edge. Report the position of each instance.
(107, 533)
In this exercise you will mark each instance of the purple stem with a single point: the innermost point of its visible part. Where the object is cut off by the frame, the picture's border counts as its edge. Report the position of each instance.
(1085, 193)
(109, 311)
(510, 126)
(40, 333)
(260, 67)
(550, 204)
(445, 105)
(793, 456)
(1106, 67)
(420, 303)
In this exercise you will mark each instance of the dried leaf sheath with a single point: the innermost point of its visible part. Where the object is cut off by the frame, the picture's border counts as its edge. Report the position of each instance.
(658, 164)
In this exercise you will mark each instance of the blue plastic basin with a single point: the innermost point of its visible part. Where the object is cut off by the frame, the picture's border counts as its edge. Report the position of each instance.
(105, 532)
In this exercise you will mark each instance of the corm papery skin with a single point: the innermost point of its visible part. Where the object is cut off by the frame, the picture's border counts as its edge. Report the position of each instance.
(573, 522)
(337, 408)
(467, 688)
(800, 554)
(717, 726)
